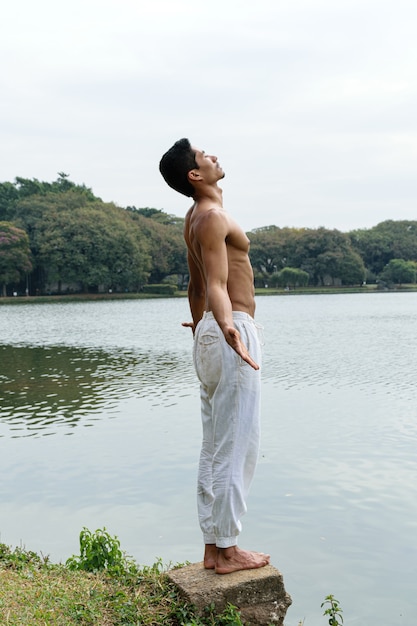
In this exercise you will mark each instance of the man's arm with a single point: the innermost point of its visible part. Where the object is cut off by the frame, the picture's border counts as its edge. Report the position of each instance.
(212, 235)
(196, 291)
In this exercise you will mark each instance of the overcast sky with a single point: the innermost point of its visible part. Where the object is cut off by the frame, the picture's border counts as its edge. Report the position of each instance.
(310, 105)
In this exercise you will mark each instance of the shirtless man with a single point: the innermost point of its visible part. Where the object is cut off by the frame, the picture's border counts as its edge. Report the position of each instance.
(226, 355)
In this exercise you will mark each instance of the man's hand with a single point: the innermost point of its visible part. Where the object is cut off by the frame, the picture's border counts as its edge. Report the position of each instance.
(232, 336)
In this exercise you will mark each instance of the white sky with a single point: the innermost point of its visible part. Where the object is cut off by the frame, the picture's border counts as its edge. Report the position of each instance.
(310, 105)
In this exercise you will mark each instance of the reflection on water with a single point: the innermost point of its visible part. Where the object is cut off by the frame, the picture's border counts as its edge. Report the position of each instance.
(44, 387)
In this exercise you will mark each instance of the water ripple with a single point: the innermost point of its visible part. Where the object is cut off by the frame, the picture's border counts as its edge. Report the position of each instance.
(44, 387)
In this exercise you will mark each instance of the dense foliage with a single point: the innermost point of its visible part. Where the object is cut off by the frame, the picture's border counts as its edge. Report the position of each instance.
(327, 256)
(78, 243)
(14, 254)
(60, 238)
(330, 257)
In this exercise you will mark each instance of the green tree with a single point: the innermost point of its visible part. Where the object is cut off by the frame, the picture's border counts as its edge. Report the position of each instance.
(399, 271)
(29, 187)
(345, 266)
(290, 277)
(167, 248)
(83, 243)
(33, 187)
(271, 249)
(11, 193)
(403, 238)
(33, 213)
(352, 269)
(319, 252)
(386, 241)
(14, 254)
(158, 216)
(8, 198)
(95, 246)
(326, 255)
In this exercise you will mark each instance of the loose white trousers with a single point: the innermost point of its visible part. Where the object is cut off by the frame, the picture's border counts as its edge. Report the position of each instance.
(230, 412)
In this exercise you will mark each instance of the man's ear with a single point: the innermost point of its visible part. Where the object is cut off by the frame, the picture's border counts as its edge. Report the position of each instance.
(194, 175)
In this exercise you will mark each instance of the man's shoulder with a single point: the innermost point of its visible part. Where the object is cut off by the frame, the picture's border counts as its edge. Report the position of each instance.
(209, 217)
(210, 226)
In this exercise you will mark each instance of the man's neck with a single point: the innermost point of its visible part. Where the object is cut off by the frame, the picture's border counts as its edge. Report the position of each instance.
(211, 193)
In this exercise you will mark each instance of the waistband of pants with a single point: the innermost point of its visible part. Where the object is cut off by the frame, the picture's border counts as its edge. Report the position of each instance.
(237, 315)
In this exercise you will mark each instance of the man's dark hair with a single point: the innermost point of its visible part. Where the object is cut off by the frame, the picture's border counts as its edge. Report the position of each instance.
(175, 165)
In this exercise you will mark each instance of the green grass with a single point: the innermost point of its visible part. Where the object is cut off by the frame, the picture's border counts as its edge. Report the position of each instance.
(271, 291)
(82, 297)
(35, 592)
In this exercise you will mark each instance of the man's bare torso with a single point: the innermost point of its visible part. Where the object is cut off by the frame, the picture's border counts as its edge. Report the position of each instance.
(240, 274)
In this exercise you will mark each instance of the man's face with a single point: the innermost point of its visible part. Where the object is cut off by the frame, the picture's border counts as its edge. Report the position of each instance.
(208, 166)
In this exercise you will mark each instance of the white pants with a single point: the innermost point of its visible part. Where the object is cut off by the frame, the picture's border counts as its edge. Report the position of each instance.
(230, 411)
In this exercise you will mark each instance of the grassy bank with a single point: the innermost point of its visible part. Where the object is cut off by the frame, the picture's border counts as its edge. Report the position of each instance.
(366, 289)
(35, 592)
(83, 297)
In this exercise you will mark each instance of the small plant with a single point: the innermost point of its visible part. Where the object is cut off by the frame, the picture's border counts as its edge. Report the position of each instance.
(229, 617)
(19, 558)
(333, 611)
(99, 551)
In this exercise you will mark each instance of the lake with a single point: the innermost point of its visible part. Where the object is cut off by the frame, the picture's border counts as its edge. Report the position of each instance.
(100, 427)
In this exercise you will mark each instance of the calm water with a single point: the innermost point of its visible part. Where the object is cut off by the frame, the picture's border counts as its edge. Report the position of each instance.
(99, 426)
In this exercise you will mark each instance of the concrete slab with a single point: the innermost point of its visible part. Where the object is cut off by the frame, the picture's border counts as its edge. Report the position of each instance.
(259, 594)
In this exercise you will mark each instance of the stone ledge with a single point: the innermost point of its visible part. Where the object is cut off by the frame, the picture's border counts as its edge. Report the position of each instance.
(259, 594)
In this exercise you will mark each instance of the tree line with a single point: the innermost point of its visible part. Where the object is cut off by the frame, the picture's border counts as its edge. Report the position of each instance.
(59, 237)
(386, 253)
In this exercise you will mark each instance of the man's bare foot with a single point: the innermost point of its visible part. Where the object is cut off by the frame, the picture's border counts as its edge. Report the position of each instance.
(234, 559)
(210, 555)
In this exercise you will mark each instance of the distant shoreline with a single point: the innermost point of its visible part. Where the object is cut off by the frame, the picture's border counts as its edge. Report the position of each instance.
(88, 297)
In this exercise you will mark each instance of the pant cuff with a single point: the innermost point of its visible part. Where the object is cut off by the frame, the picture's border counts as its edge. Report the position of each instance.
(226, 542)
(209, 539)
